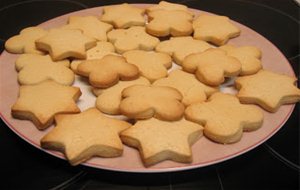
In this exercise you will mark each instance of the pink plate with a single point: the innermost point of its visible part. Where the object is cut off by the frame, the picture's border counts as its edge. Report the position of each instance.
(205, 152)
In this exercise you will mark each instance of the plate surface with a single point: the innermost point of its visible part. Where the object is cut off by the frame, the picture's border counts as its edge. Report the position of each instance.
(205, 152)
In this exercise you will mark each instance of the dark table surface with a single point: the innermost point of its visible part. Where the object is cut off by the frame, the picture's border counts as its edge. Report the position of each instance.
(272, 165)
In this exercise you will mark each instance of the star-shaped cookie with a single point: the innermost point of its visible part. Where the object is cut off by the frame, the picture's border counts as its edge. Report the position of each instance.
(90, 26)
(215, 29)
(40, 103)
(82, 136)
(143, 101)
(161, 140)
(164, 5)
(152, 65)
(123, 15)
(107, 71)
(192, 89)
(164, 23)
(249, 57)
(224, 117)
(267, 89)
(64, 43)
(180, 47)
(212, 66)
(132, 39)
(28, 59)
(25, 41)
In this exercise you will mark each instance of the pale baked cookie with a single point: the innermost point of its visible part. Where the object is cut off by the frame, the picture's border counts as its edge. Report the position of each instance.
(109, 99)
(180, 47)
(107, 71)
(35, 73)
(249, 57)
(28, 59)
(63, 43)
(224, 118)
(267, 89)
(131, 39)
(142, 102)
(161, 140)
(84, 135)
(164, 5)
(212, 66)
(97, 52)
(25, 41)
(164, 23)
(191, 89)
(123, 15)
(91, 26)
(215, 29)
(152, 65)
(40, 103)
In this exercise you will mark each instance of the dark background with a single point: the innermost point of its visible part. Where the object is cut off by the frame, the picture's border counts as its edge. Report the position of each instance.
(272, 165)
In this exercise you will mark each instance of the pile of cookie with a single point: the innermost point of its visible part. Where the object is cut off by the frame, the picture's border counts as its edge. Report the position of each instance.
(125, 54)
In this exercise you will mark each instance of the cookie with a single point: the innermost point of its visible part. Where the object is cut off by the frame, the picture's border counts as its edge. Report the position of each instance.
(35, 73)
(267, 89)
(164, 5)
(63, 43)
(132, 39)
(152, 65)
(91, 26)
(249, 57)
(28, 59)
(123, 15)
(107, 71)
(180, 47)
(191, 89)
(40, 103)
(164, 23)
(25, 41)
(161, 140)
(142, 102)
(84, 135)
(109, 99)
(214, 29)
(97, 52)
(212, 66)
(224, 118)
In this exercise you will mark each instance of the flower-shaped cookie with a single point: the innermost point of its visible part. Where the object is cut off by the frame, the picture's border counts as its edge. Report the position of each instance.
(63, 43)
(25, 41)
(90, 26)
(84, 135)
(152, 65)
(107, 71)
(123, 15)
(215, 29)
(192, 89)
(161, 140)
(141, 102)
(180, 47)
(131, 39)
(165, 23)
(267, 89)
(212, 66)
(40, 103)
(249, 57)
(224, 118)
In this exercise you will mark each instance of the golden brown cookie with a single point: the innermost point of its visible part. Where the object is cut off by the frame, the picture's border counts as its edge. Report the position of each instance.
(212, 66)
(40, 103)
(164, 5)
(84, 135)
(224, 118)
(142, 102)
(107, 71)
(162, 140)
(267, 89)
